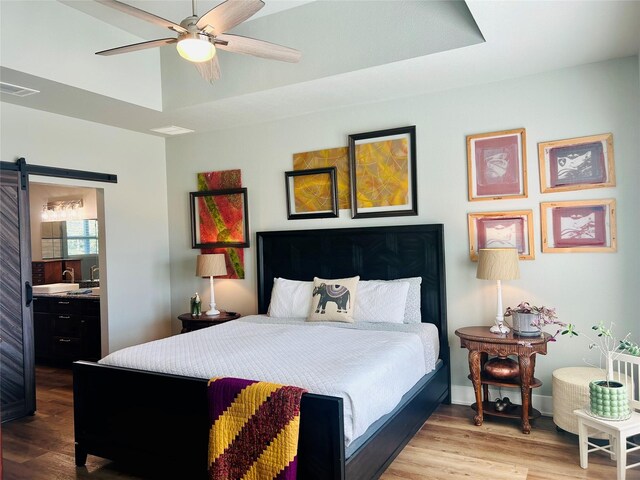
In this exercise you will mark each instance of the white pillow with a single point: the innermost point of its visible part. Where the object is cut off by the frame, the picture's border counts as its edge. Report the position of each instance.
(412, 312)
(290, 298)
(381, 301)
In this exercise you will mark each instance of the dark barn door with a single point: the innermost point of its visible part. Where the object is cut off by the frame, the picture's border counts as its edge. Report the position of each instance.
(17, 372)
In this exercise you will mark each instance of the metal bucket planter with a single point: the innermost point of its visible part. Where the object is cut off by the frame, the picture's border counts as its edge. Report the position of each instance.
(608, 400)
(524, 324)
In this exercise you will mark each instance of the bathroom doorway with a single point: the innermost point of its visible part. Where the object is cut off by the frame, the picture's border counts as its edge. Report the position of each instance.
(68, 272)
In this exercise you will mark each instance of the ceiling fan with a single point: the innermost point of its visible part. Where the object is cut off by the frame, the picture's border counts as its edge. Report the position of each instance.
(198, 38)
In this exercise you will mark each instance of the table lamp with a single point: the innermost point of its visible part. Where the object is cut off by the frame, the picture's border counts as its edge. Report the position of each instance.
(498, 264)
(211, 265)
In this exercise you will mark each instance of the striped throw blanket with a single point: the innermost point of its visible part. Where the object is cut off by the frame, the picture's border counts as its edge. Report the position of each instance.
(254, 429)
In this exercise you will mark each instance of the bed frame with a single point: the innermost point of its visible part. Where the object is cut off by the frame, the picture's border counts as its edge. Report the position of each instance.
(158, 420)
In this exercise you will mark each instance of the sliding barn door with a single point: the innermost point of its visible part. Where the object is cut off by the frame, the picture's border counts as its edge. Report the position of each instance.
(17, 370)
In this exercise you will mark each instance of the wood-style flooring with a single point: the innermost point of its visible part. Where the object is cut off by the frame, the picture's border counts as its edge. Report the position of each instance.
(448, 447)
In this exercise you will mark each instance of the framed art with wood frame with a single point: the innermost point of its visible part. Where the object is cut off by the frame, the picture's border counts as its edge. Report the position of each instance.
(383, 173)
(501, 230)
(580, 226)
(312, 193)
(497, 165)
(576, 163)
(219, 218)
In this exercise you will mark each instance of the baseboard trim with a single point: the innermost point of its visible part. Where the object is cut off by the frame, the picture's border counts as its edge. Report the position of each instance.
(466, 396)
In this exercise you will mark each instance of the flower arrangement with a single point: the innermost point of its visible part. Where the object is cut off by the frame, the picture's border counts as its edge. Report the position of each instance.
(607, 398)
(541, 316)
(545, 315)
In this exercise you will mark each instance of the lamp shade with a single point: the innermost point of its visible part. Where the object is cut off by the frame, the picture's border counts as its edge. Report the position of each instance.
(211, 265)
(498, 264)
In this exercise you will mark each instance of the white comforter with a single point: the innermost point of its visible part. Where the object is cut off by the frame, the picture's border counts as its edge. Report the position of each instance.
(369, 369)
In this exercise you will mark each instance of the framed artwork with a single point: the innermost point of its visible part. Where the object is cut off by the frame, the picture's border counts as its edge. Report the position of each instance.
(312, 193)
(219, 218)
(576, 163)
(501, 230)
(383, 173)
(580, 226)
(329, 157)
(497, 165)
(218, 180)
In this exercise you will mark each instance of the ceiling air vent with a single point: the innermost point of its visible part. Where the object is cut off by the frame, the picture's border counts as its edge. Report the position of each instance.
(16, 90)
(172, 130)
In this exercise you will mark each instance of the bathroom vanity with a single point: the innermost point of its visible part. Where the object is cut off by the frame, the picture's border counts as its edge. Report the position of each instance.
(66, 328)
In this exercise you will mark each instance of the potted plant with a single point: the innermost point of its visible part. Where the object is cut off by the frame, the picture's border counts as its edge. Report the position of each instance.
(608, 398)
(528, 320)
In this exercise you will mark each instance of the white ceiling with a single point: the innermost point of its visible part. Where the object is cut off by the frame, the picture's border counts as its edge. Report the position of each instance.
(521, 38)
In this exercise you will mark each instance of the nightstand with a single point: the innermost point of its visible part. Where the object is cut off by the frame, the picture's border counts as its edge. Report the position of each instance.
(190, 323)
(481, 343)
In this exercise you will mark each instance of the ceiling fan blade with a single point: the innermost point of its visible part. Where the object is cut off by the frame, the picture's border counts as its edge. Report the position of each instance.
(210, 70)
(227, 15)
(142, 15)
(258, 48)
(138, 46)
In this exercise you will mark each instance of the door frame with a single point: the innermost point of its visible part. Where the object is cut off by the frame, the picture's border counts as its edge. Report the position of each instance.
(25, 170)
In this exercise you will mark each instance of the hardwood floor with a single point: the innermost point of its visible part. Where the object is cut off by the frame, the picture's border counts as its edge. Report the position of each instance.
(449, 447)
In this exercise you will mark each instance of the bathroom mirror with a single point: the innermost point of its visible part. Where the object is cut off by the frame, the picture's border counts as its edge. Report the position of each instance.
(70, 238)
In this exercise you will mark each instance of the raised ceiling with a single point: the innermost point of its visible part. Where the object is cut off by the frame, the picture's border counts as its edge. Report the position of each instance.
(353, 52)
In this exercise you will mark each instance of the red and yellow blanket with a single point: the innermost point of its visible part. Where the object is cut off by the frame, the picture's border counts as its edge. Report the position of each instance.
(254, 429)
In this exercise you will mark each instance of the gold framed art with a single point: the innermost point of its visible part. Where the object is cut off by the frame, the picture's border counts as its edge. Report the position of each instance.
(497, 165)
(576, 163)
(578, 226)
(513, 229)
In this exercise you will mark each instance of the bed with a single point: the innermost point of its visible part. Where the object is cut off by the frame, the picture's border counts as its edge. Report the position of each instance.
(159, 419)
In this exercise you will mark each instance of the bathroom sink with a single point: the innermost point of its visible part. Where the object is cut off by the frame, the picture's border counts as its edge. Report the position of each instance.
(95, 291)
(55, 288)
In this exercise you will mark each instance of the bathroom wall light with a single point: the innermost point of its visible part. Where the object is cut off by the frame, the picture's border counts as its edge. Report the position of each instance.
(62, 210)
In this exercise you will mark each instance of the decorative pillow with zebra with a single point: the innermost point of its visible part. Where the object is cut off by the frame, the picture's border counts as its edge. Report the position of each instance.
(333, 300)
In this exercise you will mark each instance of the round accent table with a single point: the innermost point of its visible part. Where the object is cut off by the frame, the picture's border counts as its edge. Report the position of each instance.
(481, 343)
(190, 323)
(570, 390)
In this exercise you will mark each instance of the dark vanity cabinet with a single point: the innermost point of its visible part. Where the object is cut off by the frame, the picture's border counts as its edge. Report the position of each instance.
(66, 328)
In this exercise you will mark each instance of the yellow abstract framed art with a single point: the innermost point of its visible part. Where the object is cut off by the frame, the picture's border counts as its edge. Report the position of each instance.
(383, 173)
(311, 193)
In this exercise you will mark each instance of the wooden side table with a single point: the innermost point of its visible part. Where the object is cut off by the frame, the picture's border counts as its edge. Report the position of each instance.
(481, 343)
(190, 323)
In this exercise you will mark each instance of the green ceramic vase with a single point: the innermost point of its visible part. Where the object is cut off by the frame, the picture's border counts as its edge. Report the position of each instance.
(608, 400)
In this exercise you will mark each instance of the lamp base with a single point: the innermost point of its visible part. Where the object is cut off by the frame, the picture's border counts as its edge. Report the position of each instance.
(495, 329)
(212, 312)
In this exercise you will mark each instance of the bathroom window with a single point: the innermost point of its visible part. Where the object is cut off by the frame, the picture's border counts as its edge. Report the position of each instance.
(70, 238)
(81, 237)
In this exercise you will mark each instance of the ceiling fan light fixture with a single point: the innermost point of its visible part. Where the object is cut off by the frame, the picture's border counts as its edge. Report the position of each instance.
(196, 47)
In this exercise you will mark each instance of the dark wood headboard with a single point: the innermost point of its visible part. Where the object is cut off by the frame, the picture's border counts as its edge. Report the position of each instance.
(374, 253)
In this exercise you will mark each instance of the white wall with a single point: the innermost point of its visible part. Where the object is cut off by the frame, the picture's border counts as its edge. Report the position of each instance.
(585, 100)
(136, 272)
(51, 40)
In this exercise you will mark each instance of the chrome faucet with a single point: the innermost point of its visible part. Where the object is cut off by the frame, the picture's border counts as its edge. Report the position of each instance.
(71, 272)
(94, 269)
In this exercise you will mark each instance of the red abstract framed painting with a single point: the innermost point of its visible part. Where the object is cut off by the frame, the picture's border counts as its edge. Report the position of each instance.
(219, 218)
(576, 163)
(501, 230)
(497, 165)
(580, 226)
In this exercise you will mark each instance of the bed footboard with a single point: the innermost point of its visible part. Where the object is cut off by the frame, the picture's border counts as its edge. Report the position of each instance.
(159, 420)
